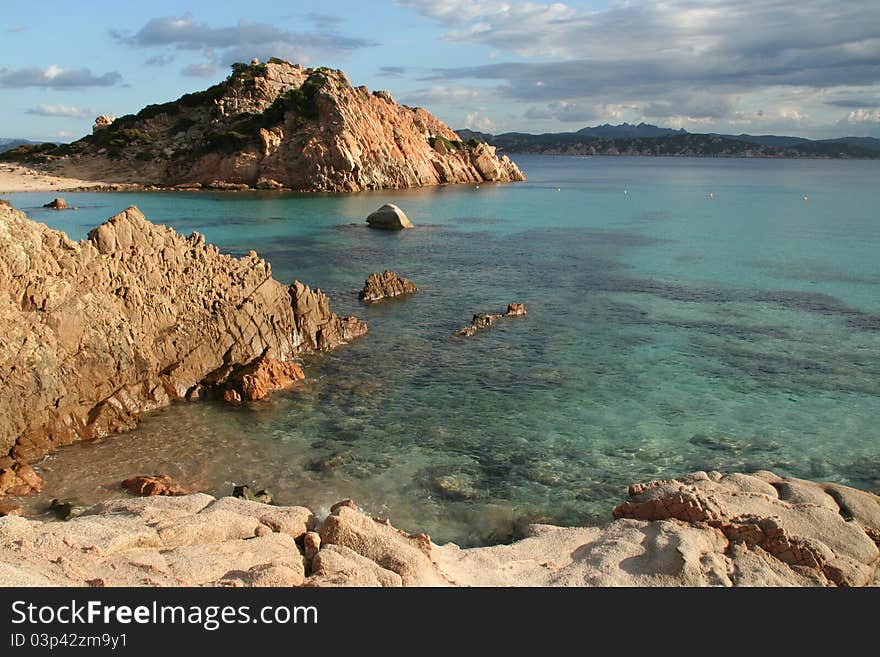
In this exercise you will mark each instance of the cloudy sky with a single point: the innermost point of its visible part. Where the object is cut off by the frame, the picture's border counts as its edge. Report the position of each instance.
(808, 67)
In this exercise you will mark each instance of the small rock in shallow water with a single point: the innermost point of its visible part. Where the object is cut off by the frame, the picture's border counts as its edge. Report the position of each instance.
(9, 509)
(149, 485)
(482, 321)
(456, 487)
(384, 286)
(244, 492)
(66, 510)
(389, 217)
(57, 204)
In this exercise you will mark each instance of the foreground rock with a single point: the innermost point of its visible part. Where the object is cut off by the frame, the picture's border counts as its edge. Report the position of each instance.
(482, 321)
(57, 204)
(261, 376)
(386, 286)
(701, 530)
(129, 320)
(389, 217)
(276, 126)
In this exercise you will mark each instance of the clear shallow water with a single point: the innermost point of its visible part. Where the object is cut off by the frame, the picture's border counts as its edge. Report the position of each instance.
(668, 331)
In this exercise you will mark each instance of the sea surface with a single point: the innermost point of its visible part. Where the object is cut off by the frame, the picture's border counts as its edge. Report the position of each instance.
(684, 314)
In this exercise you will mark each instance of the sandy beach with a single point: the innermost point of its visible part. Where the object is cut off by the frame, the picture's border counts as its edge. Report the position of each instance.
(16, 178)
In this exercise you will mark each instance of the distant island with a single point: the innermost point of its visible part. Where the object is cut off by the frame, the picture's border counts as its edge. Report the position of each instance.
(650, 140)
(273, 125)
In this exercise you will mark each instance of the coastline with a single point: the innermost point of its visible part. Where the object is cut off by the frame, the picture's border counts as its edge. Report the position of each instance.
(15, 178)
(705, 529)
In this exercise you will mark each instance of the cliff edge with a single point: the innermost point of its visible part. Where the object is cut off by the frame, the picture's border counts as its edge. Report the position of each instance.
(134, 317)
(277, 126)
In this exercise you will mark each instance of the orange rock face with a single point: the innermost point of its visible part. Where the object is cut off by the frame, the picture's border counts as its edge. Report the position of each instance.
(149, 485)
(386, 285)
(260, 377)
(129, 320)
(278, 125)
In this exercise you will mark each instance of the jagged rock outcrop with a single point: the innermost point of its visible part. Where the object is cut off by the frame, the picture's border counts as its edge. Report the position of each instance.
(389, 217)
(385, 286)
(57, 204)
(102, 122)
(278, 125)
(482, 321)
(134, 317)
(701, 530)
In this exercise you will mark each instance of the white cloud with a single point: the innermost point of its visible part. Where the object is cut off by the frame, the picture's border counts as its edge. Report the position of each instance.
(65, 111)
(55, 77)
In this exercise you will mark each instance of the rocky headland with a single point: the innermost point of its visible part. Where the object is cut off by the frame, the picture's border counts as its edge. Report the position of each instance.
(386, 285)
(131, 319)
(275, 125)
(706, 529)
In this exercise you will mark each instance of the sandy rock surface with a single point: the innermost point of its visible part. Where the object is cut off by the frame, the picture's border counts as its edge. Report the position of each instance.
(695, 531)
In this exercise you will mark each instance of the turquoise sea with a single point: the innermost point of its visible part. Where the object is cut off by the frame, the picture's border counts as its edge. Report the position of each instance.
(684, 314)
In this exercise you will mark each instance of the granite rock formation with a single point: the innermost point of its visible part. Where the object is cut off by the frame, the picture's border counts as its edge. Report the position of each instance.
(389, 217)
(482, 321)
(277, 125)
(57, 204)
(705, 529)
(386, 286)
(134, 317)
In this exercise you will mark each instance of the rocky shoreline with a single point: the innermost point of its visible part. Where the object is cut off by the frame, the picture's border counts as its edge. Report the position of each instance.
(705, 529)
(130, 320)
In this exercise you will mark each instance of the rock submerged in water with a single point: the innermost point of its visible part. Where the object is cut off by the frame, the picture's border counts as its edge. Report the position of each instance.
(385, 286)
(149, 485)
(389, 217)
(258, 378)
(482, 321)
(57, 204)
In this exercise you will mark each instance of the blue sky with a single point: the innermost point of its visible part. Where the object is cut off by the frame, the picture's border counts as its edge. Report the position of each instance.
(809, 68)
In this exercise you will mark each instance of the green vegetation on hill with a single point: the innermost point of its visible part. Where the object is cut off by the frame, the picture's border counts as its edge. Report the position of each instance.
(671, 144)
(139, 133)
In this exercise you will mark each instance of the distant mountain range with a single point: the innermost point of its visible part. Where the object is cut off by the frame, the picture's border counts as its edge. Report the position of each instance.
(646, 139)
(7, 143)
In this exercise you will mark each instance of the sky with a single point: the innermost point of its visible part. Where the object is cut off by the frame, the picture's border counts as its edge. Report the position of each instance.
(809, 68)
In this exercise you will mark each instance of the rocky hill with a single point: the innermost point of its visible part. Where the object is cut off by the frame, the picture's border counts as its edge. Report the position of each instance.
(129, 320)
(277, 125)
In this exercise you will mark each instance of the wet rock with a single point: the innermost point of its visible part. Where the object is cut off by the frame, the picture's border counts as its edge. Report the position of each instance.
(142, 316)
(482, 321)
(384, 286)
(261, 376)
(57, 204)
(389, 217)
(64, 510)
(244, 492)
(332, 462)
(20, 479)
(9, 509)
(149, 485)
(456, 487)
